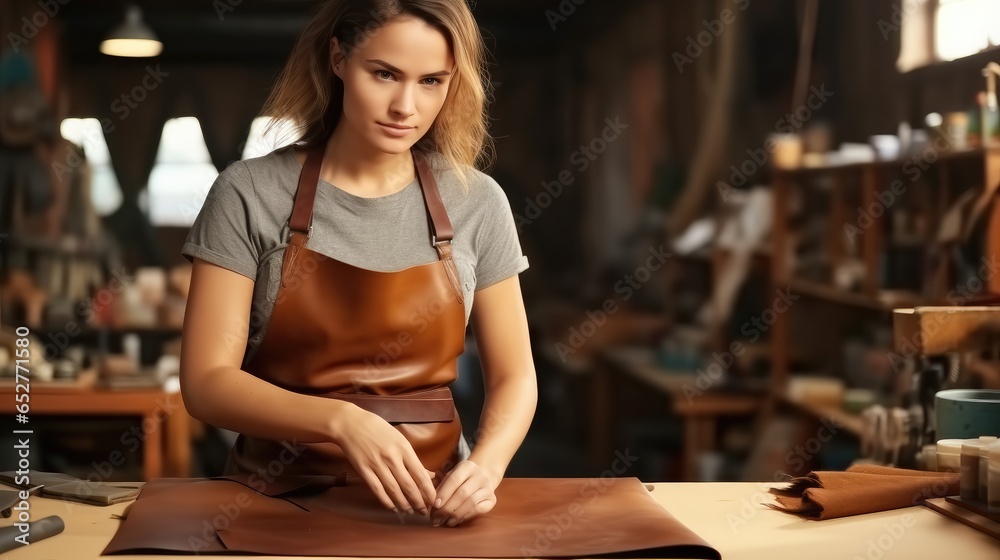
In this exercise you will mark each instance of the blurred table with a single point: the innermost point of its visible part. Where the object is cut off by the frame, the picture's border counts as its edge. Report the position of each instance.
(164, 430)
(697, 403)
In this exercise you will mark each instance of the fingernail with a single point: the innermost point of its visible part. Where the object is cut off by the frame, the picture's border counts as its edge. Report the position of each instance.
(437, 522)
(395, 510)
(437, 503)
(423, 511)
(410, 511)
(452, 522)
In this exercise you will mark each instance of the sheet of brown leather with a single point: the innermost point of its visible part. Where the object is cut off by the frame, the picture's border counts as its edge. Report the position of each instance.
(313, 516)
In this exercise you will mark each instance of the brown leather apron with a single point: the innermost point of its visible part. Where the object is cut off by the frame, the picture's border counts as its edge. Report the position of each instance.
(386, 341)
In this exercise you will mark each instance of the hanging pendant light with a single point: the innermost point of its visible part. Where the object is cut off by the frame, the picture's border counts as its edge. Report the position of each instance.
(132, 38)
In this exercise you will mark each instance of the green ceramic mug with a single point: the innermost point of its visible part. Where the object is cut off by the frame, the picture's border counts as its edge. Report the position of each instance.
(967, 413)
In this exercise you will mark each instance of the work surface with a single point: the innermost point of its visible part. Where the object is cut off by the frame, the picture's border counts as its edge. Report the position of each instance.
(727, 515)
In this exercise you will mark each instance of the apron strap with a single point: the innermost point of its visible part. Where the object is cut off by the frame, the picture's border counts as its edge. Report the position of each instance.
(436, 405)
(441, 230)
(305, 197)
(305, 193)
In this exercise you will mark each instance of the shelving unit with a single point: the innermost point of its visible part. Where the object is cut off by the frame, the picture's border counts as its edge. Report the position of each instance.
(871, 296)
(851, 422)
(880, 301)
(66, 268)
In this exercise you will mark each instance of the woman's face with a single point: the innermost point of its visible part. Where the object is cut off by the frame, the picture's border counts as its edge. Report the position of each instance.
(395, 83)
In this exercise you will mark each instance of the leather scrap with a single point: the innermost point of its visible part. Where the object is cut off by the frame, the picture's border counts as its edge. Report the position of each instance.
(860, 489)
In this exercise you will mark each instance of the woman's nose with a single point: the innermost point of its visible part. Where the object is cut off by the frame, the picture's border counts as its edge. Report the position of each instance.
(404, 103)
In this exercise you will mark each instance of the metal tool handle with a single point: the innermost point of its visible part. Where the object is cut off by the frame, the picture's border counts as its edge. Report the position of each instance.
(37, 530)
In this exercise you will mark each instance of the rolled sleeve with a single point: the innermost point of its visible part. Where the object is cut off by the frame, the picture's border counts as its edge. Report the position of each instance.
(223, 233)
(499, 254)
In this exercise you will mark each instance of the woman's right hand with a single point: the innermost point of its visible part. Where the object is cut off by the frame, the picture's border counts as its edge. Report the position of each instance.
(386, 461)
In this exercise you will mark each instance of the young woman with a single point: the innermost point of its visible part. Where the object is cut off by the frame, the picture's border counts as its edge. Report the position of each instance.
(334, 279)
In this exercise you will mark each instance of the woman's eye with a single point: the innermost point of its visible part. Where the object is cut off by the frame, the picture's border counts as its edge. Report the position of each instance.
(431, 81)
(384, 74)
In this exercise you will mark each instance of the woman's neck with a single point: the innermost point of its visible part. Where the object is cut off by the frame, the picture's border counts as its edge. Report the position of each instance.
(356, 168)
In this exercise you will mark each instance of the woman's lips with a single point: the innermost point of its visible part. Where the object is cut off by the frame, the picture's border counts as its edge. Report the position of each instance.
(395, 130)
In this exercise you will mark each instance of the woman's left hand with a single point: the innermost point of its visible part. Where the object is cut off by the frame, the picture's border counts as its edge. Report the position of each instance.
(465, 492)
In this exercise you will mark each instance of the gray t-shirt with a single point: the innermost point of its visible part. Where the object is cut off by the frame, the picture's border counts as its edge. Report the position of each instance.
(243, 227)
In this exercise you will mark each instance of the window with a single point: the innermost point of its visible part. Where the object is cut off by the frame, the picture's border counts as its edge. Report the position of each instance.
(105, 192)
(282, 134)
(964, 27)
(181, 177)
(938, 30)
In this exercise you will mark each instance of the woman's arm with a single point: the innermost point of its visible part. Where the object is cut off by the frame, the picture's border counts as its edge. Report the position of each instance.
(217, 391)
(501, 330)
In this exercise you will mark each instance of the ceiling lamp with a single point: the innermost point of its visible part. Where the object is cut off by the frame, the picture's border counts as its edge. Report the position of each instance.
(132, 38)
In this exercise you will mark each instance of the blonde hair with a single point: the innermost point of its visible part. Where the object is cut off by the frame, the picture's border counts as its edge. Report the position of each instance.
(309, 95)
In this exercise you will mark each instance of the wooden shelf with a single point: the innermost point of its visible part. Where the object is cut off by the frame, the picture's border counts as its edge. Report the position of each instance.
(851, 422)
(706, 254)
(898, 162)
(94, 330)
(939, 330)
(836, 207)
(831, 293)
(166, 448)
(66, 246)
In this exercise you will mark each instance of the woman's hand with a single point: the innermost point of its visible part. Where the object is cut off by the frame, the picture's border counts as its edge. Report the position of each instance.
(386, 461)
(465, 492)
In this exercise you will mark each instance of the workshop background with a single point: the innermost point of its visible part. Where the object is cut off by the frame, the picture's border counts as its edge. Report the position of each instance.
(722, 203)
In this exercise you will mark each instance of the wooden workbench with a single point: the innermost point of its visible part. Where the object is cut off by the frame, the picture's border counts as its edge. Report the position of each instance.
(162, 422)
(727, 515)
